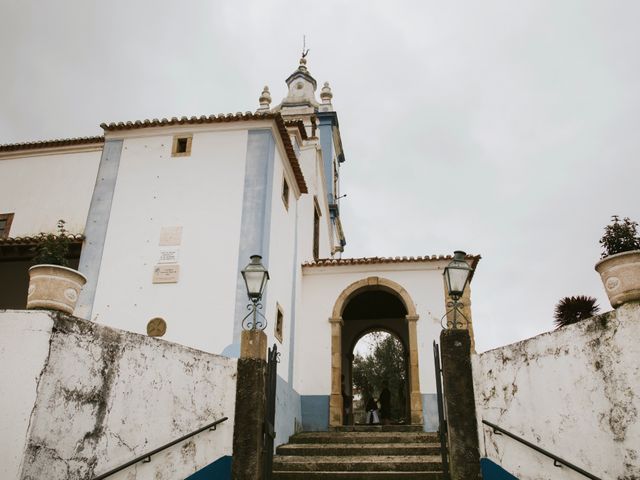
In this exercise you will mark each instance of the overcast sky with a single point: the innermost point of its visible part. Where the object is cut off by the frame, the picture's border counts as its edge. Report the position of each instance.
(508, 128)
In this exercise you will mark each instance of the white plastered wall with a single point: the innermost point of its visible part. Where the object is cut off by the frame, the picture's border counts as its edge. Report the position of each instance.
(202, 193)
(42, 188)
(321, 288)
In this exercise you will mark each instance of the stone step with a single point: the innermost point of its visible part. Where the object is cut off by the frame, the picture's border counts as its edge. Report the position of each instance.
(364, 437)
(378, 428)
(364, 463)
(355, 449)
(357, 475)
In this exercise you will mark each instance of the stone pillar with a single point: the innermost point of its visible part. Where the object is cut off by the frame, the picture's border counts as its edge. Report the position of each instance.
(335, 402)
(248, 427)
(462, 426)
(415, 400)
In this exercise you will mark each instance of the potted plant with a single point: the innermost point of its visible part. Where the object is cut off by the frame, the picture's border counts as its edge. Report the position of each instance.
(52, 285)
(620, 264)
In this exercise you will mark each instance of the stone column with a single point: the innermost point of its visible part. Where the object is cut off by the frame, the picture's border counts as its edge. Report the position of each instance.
(248, 427)
(415, 400)
(335, 402)
(462, 426)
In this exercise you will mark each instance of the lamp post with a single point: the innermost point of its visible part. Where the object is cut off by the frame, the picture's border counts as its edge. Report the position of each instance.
(456, 275)
(255, 279)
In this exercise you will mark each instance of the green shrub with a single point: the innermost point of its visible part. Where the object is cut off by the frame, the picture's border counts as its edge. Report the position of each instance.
(620, 236)
(574, 309)
(53, 249)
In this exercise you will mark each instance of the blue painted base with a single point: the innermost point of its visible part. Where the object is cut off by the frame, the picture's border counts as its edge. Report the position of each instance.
(430, 412)
(492, 471)
(315, 413)
(218, 470)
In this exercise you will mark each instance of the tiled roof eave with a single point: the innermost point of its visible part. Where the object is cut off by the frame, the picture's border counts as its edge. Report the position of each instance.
(42, 144)
(331, 262)
(222, 118)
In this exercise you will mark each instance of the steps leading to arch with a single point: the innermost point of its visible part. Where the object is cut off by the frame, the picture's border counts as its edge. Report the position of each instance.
(358, 453)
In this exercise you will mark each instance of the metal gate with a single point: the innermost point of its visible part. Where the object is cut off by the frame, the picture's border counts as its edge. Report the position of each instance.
(270, 411)
(442, 422)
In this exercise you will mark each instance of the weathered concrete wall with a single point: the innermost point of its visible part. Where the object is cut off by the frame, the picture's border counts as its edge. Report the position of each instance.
(105, 396)
(574, 392)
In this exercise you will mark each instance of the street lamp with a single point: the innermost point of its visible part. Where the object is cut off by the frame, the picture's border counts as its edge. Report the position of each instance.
(255, 279)
(456, 276)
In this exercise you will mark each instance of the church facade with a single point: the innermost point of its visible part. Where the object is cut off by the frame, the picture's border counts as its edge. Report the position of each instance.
(166, 213)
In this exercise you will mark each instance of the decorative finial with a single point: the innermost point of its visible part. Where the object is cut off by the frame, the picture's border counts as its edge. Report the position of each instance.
(325, 94)
(265, 100)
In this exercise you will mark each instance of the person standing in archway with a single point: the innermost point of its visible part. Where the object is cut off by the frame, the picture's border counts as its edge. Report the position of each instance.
(385, 404)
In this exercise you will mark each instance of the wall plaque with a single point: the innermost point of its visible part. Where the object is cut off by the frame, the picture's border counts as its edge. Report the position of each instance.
(166, 273)
(168, 255)
(170, 236)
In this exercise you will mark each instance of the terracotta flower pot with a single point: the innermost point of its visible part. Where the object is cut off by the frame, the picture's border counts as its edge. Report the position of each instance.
(52, 287)
(620, 274)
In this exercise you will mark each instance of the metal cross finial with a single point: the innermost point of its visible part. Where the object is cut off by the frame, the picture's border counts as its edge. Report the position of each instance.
(305, 50)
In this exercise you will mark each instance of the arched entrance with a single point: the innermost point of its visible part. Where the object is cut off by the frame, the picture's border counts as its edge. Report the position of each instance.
(404, 314)
(379, 359)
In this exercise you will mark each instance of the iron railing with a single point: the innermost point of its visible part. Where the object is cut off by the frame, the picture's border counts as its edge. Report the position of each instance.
(442, 422)
(147, 456)
(557, 461)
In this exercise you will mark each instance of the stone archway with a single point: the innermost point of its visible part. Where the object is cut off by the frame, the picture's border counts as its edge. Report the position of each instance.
(389, 286)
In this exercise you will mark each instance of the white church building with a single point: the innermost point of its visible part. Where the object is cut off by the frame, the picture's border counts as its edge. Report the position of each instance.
(166, 213)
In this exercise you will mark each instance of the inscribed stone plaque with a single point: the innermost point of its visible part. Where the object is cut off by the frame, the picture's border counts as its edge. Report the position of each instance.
(170, 236)
(166, 273)
(168, 255)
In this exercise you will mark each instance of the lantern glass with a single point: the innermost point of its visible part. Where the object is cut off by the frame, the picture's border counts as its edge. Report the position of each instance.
(457, 274)
(255, 278)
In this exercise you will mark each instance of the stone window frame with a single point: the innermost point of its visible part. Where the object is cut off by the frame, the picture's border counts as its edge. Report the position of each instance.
(278, 327)
(8, 218)
(177, 139)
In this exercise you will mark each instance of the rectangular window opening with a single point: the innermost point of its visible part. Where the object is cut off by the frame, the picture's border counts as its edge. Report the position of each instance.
(5, 224)
(316, 231)
(285, 193)
(279, 324)
(181, 146)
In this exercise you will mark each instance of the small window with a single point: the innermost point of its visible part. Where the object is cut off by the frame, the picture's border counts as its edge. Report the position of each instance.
(181, 146)
(5, 224)
(285, 193)
(279, 322)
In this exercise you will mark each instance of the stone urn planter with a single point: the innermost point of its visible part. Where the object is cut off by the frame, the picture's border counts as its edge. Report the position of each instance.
(53, 287)
(620, 274)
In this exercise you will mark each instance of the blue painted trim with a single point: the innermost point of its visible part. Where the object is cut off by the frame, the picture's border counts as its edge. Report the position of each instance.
(255, 226)
(95, 230)
(294, 288)
(430, 412)
(288, 411)
(326, 143)
(493, 471)
(218, 470)
(315, 413)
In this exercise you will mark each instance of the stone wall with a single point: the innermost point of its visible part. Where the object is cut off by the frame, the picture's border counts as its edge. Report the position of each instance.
(85, 398)
(574, 392)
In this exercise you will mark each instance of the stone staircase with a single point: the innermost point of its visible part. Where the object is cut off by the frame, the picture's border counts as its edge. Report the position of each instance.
(360, 452)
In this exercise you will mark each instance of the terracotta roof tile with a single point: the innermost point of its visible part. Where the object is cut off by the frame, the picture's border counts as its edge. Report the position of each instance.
(62, 142)
(334, 262)
(222, 118)
(299, 124)
(33, 240)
